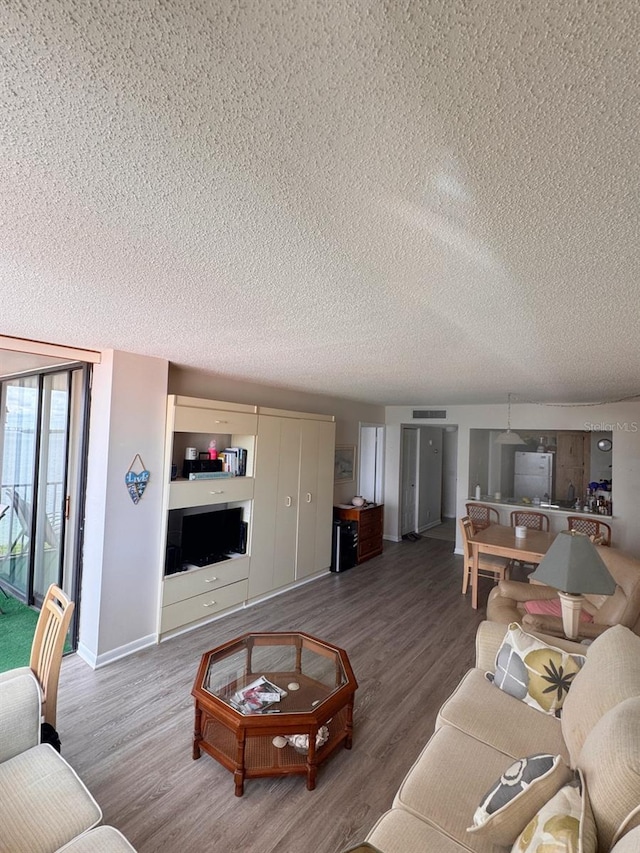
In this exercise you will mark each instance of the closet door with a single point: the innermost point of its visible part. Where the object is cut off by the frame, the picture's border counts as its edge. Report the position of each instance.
(275, 502)
(315, 512)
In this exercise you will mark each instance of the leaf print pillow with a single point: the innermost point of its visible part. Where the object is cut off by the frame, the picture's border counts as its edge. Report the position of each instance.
(563, 825)
(534, 672)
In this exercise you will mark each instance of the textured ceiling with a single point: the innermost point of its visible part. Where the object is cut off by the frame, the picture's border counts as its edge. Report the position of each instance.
(391, 202)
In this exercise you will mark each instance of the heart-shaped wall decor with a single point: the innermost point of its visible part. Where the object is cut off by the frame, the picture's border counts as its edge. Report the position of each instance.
(136, 484)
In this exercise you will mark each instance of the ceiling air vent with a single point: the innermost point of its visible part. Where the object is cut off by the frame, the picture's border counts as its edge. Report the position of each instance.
(425, 414)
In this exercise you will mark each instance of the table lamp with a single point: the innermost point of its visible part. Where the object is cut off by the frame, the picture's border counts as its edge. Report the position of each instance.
(573, 566)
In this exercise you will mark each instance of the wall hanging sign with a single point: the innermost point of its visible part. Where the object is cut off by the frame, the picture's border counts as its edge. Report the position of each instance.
(136, 482)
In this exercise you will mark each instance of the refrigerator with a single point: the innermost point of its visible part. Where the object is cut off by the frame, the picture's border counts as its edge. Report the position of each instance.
(533, 475)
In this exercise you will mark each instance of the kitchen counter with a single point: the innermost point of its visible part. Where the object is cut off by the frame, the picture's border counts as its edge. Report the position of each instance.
(552, 508)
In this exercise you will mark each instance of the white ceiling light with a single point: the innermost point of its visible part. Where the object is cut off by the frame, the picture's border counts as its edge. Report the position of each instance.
(509, 437)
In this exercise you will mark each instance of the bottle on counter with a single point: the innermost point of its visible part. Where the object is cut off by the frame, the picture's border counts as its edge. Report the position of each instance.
(478, 492)
(571, 493)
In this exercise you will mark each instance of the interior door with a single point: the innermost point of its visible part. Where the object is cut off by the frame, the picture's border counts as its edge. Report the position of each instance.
(409, 480)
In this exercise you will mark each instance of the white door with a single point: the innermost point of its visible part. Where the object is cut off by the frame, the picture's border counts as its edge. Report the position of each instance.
(409, 479)
(315, 509)
(371, 462)
(275, 503)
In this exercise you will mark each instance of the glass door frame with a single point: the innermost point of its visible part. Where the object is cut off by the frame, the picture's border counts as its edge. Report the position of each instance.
(69, 567)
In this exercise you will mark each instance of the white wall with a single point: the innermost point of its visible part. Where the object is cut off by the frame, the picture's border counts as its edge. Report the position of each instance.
(623, 418)
(449, 472)
(122, 547)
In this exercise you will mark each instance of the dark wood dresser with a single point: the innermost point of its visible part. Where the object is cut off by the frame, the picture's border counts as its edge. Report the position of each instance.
(369, 519)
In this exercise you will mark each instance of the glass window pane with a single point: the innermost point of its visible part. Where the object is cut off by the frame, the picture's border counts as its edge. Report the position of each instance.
(18, 437)
(51, 486)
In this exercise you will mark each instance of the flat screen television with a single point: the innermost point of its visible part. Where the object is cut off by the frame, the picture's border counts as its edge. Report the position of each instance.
(209, 537)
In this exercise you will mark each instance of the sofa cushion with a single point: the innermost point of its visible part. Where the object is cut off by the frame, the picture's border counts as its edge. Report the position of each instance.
(610, 762)
(39, 782)
(523, 788)
(535, 672)
(446, 783)
(398, 831)
(474, 707)
(102, 839)
(610, 675)
(563, 823)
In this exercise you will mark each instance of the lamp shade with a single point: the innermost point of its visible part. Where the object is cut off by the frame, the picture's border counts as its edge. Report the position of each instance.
(572, 564)
(509, 437)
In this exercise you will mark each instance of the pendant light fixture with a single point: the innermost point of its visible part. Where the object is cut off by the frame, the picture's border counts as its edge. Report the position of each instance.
(509, 437)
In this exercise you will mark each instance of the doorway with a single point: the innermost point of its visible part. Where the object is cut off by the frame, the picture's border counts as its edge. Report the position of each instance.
(371, 463)
(43, 433)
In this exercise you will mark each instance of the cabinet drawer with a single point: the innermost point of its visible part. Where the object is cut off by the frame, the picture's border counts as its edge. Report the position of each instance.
(370, 522)
(184, 493)
(192, 419)
(198, 581)
(201, 606)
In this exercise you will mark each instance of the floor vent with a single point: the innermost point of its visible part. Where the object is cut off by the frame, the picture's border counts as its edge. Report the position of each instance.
(425, 414)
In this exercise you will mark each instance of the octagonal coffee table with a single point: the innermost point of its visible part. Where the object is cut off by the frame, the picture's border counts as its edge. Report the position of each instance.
(273, 704)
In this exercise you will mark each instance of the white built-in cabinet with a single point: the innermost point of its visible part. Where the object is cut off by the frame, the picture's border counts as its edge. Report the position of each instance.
(293, 499)
(287, 500)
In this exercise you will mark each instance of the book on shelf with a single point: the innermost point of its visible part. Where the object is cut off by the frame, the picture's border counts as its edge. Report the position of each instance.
(257, 696)
(236, 460)
(210, 475)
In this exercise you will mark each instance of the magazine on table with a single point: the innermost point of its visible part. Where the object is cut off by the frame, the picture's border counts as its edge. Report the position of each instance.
(257, 696)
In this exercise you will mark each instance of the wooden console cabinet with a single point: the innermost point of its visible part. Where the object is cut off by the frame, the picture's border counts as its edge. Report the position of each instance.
(369, 519)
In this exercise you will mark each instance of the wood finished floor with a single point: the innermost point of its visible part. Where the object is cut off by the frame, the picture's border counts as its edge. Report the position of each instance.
(127, 728)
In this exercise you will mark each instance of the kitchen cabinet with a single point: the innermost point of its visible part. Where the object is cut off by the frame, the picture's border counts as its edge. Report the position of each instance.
(572, 463)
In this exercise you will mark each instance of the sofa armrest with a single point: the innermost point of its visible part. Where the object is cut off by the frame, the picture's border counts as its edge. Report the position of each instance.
(552, 625)
(19, 715)
(519, 591)
(489, 637)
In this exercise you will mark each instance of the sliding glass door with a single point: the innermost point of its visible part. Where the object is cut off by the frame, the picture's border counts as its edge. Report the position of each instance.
(42, 449)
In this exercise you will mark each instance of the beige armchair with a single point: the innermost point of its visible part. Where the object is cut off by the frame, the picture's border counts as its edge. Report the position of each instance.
(506, 601)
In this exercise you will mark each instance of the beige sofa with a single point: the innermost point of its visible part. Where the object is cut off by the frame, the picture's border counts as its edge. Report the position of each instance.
(506, 600)
(481, 730)
(44, 806)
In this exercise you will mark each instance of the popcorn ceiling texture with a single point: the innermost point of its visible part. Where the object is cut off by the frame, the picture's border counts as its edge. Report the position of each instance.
(391, 202)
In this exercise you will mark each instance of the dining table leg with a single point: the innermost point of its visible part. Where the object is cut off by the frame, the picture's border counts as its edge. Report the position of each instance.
(474, 576)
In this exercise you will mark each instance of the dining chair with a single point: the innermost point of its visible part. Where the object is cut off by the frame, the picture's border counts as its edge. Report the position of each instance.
(482, 515)
(496, 568)
(532, 520)
(46, 649)
(597, 530)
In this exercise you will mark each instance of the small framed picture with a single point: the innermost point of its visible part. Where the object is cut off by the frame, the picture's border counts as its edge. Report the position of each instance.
(345, 463)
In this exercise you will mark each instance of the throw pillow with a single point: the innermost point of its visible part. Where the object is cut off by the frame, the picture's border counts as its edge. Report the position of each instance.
(551, 607)
(535, 672)
(563, 825)
(513, 800)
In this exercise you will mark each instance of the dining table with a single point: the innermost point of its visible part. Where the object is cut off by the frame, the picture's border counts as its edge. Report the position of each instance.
(501, 541)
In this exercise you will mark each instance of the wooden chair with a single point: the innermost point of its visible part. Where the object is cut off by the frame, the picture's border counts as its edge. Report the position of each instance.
(532, 520)
(46, 650)
(482, 515)
(597, 530)
(488, 566)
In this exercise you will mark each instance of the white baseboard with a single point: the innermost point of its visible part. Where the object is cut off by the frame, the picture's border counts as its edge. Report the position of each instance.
(97, 661)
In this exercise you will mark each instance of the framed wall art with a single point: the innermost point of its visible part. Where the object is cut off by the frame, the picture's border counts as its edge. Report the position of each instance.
(345, 463)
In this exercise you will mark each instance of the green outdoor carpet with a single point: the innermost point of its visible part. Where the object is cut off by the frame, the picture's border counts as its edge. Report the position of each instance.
(17, 627)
